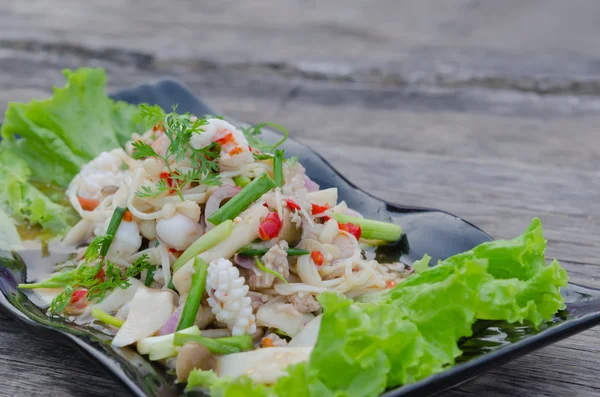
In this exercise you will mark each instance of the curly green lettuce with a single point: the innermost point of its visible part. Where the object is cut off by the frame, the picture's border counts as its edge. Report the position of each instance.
(412, 331)
(54, 137)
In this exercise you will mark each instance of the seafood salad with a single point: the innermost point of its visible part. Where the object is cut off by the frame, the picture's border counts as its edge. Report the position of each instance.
(213, 253)
(190, 228)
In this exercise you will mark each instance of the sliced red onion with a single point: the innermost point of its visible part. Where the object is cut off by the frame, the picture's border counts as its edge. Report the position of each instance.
(310, 185)
(246, 262)
(215, 200)
(171, 324)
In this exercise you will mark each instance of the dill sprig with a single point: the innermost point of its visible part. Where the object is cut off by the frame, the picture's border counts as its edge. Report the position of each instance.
(179, 129)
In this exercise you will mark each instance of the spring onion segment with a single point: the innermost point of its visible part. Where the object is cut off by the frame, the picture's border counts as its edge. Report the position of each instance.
(107, 318)
(261, 252)
(243, 199)
(372, 230)
(241, 181)
(207, 241)
(115, 221)
(160, 347)
(278, 168)
(265, 269)
(192, 303)
(234, 344)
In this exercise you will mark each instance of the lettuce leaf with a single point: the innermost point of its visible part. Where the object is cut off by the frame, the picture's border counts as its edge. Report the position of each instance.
(412, 331)
(24, 202)
(54, 137)
(72, 127)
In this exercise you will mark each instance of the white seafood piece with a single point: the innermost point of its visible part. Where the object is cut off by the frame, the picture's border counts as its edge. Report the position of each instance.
(127, 240)
(262, 365)
(149, 310)
(231, 156)
(228, 297)
(276, 313)
(178, 231)
(309, 334)
(99, 173)
(322, 197)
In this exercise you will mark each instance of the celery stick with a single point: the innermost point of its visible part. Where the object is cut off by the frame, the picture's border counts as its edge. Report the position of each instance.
(372, 230)
(192, 303)
(243, 199)
(209, 240)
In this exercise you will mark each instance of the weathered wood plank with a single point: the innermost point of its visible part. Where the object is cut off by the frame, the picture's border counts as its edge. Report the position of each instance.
(380, 30)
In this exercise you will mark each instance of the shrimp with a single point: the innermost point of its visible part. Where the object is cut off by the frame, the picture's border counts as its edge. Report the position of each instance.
(235, 151)
(178, 231)
(101, 172)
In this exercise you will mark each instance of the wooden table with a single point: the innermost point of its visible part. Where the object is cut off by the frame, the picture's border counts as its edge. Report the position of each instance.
(486, 109)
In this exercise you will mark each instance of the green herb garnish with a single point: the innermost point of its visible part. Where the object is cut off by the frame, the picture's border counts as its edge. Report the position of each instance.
(179, 129)
(253, 134)
(265, 269)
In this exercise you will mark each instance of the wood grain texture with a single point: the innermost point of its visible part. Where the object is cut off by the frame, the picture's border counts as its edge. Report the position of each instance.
(461, 105)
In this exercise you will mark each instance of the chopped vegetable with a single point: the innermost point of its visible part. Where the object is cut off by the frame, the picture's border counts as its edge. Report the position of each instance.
(292, 205)
(233, 344)
(207, 241)
(351, 228)
(160, 347)
(317, 257)
(319, 209)
(106, 318)
(243, 199)
(278, 168)
(241, 181)
(265, 269)
(269, 228)
(194, 297)
(372, 230)
(115, 221)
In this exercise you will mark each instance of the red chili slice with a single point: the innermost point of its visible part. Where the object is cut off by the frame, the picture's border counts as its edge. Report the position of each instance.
(351, 228)
(293, 205)
(319, 209)
(317, 257)
(78, 295)
(270, 227)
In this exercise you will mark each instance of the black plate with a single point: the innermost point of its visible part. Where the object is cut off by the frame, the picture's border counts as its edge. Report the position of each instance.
(430, 231)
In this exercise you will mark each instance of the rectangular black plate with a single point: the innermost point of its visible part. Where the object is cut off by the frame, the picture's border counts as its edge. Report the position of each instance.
(430, 231)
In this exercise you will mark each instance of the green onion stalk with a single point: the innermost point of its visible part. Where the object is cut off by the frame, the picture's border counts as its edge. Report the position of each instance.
(241, 201)
(372, 230)
(192, 303)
